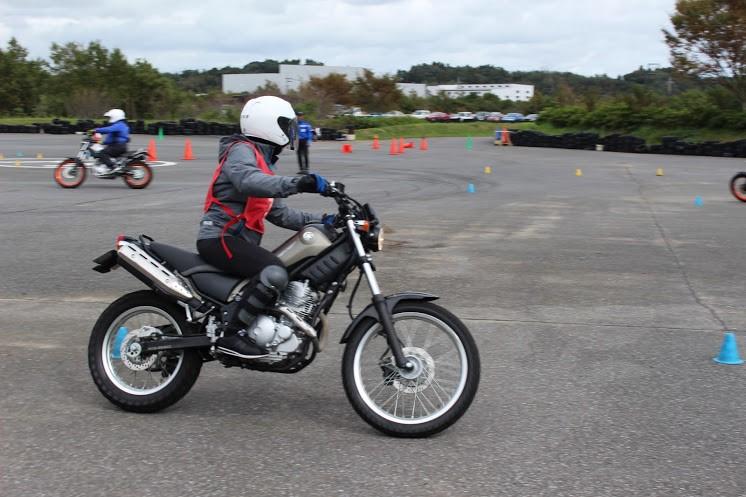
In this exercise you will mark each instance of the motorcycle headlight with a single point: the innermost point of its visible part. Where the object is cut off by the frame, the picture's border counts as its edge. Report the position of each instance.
(375, 239)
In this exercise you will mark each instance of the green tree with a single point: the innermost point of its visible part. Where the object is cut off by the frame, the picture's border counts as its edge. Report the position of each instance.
(21, 89)
(376, 94)
(88, 80)
(709, 40)
(325, 93)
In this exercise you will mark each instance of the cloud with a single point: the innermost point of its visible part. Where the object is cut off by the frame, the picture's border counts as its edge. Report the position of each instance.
(589, 37)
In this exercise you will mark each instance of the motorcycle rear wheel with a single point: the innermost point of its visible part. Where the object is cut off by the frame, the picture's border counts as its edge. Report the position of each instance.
(138, 175)
(430, 397)
(134, 382)
(738, 186)
(69, 173)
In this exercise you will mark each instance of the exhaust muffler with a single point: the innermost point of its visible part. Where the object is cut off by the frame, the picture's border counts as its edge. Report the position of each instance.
(136, 259)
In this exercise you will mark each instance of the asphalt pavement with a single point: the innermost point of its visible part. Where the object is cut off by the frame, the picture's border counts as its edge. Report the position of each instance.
(597, 301)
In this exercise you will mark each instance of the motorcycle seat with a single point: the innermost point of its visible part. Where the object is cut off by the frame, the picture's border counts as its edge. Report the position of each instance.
(215, 282)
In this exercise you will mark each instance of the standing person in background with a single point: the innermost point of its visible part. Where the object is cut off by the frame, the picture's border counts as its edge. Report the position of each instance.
(305, 136)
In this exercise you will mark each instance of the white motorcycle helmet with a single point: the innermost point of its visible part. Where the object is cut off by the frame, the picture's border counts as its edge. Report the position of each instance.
(115, 115)
(271, 119)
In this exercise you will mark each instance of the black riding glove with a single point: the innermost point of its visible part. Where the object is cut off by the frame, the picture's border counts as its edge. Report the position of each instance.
(312, 183)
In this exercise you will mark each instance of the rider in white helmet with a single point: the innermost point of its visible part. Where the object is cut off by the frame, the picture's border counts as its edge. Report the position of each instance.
(117, 137)
(246, 190)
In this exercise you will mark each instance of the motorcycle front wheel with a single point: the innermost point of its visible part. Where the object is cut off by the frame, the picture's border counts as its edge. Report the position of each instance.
(69, 173)
(738, 186)
(431, 396)
(131, 380)
(138, 175)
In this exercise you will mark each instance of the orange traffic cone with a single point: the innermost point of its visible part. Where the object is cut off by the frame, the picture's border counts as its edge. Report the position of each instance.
(376, 144)
(506, 136)
(423, 143)
(401, 145)
(188, 154)
(393, 150)
(152, 152)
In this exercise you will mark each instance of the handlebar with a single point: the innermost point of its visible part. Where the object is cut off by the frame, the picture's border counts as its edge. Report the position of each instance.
(349, 208)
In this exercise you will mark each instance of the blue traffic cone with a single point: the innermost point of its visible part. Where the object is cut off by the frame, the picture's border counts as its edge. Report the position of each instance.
(471, 188)
(729, 351)
(121, 333)
(19, 154)
(698, 201)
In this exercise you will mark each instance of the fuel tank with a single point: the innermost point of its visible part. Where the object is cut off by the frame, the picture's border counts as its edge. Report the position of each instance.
(308, 242)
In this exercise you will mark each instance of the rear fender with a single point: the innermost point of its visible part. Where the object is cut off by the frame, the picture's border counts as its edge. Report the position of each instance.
(139, 156)
(106, 262)
(391, 303)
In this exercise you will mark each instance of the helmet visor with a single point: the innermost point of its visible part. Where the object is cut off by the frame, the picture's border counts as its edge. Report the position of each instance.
(290, 128)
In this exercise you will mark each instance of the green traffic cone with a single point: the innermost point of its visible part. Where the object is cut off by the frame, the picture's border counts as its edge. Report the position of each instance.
(160, 133)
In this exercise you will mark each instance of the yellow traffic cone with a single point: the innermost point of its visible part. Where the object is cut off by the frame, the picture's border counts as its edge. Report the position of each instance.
(39, 155)
(488, 170)
(659, 171)
(18, 163)
(578, 172)
(2, 157)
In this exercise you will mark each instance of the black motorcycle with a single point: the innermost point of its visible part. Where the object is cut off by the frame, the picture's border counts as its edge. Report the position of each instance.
(410, 368)
(132, 168)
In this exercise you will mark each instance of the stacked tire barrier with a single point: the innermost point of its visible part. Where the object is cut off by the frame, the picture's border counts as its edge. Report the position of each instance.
(187, 127)
(628, 144)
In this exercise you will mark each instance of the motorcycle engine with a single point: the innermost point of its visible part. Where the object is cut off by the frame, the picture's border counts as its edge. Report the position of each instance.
(278, 335)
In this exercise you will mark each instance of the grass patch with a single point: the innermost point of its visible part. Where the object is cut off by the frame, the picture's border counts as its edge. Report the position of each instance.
(428, 130)
(17, 121)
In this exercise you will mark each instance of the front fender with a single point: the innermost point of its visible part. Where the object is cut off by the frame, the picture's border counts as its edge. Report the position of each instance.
(391, 302)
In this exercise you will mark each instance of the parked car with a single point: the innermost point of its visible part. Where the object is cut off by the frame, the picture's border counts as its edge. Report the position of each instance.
(421, 114)
(531, 117)
(462, 116)
(438, 117)
(495, 117)
(513, 117)
(394, 113)
(481, 115)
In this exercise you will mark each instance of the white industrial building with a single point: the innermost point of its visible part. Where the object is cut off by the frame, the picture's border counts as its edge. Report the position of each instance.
(516, 93)
(416, 89)
(290, 77)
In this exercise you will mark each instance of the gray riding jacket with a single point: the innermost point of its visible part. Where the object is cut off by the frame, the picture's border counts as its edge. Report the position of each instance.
(241, 178)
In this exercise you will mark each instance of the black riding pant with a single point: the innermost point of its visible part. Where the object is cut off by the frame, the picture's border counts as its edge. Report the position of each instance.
(112, 150)
(303, 155)
(248, 258)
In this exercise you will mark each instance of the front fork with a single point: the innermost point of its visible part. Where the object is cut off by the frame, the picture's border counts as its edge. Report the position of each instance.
(379, 302)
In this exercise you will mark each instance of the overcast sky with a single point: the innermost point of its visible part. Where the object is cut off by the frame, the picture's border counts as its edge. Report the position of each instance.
(584, 36)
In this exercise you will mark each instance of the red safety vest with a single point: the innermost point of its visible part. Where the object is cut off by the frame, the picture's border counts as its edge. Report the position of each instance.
(256, 208)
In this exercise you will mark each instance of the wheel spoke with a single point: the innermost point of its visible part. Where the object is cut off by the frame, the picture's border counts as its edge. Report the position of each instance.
(136, 375)
(433, 346)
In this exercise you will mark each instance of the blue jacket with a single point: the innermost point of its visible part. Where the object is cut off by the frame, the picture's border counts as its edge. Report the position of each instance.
(118, 132)
(305, 131)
